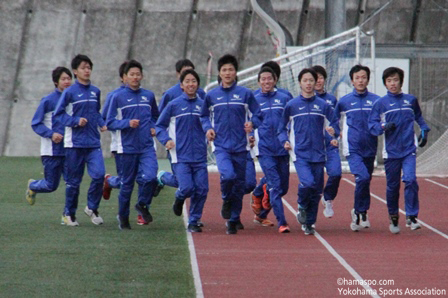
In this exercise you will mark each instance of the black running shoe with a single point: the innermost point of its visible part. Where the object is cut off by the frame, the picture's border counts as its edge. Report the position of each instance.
(226, 209)
(200, 224)
(194, 228)
(231, 228)
(159, 187)
(239, 225)
(301, 216)
(143, 210)
(309, 230)
(123, 223)
(177, 207)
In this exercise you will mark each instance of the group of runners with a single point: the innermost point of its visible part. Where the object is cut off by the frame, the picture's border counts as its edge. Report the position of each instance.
(239, 124)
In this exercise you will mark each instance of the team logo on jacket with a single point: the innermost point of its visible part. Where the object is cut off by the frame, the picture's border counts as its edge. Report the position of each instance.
(406, 102)
(144, 98)
(329, 102)
(277, 101)
(197, 108)
(316, 108)
(369, 103)
(93, 94)
(236, 97)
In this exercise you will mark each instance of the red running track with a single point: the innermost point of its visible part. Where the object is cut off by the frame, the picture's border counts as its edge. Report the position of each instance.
(259, 261)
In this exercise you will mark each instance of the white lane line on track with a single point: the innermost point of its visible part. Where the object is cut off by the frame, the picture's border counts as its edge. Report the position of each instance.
(338, 257)
(402, 212)
(437, 183)
(193, 258)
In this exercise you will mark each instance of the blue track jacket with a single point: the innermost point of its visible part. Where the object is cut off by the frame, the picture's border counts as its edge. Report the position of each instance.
(355, 131)
(76, 102)
(306, 117)
(45, 124)
(332, 101)
(129, 104)
(106, 106)
(173, 93)
(226, 110)
(272, 105)
(180, 121)
(401, 109)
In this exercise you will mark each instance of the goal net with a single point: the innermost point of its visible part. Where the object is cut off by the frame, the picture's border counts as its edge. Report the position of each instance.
(337, 54)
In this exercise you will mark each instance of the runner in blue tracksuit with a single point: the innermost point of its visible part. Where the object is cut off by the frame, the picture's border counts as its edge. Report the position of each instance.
(305, 115)
(359, 146)
(166, 178)
(79, 110)
(52, 132)
(273, 157)
(260, 195)
(333, 162)
(179, 129)
(133, 113)
(226, 119)
(394, 115)
(109, 180)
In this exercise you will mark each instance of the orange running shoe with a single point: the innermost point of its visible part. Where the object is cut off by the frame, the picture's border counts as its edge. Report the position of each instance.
(284, 229)
(106, 187)
(264, 222)
(141, 221)
(266, 202)
(255, 204)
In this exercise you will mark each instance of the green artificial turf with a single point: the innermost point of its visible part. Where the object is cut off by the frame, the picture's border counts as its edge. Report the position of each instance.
(41, 258)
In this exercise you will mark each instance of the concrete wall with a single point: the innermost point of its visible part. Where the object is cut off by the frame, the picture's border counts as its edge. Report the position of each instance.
(38, 35)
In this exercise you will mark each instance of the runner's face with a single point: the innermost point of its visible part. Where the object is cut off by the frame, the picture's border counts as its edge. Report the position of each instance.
(393, 84)
(83, 72)
(134, 77)
(227, 73)
(360, 81)
(307, 84)
(190, 85)
(64, 81)
(266, 82)
(320, 84)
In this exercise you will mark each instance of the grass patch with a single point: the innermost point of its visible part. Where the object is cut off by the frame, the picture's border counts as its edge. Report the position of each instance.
(41, 258)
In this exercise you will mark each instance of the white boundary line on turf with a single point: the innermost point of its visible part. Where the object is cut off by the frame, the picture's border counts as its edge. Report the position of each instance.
(402, 212)
(437, 183)
(337, 256)
(193, 258)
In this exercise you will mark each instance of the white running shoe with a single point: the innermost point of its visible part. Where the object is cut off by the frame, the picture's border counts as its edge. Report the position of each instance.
(411, 222)
(328, 210)
(365, 223)
(393, 227)
(94, 216)
(70, 221)
(304, 227)
(356, 219)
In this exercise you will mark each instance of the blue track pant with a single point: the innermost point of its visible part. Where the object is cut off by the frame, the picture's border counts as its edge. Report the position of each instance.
(251, 175)
(393, 167)
(311, 177)
(140, 167)
(75, 161)
(168, 178)
(334, 172)
(115, 181)
(276, 171)
(53, 169)
(193, 183)
(232, 169)
(362, 169)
